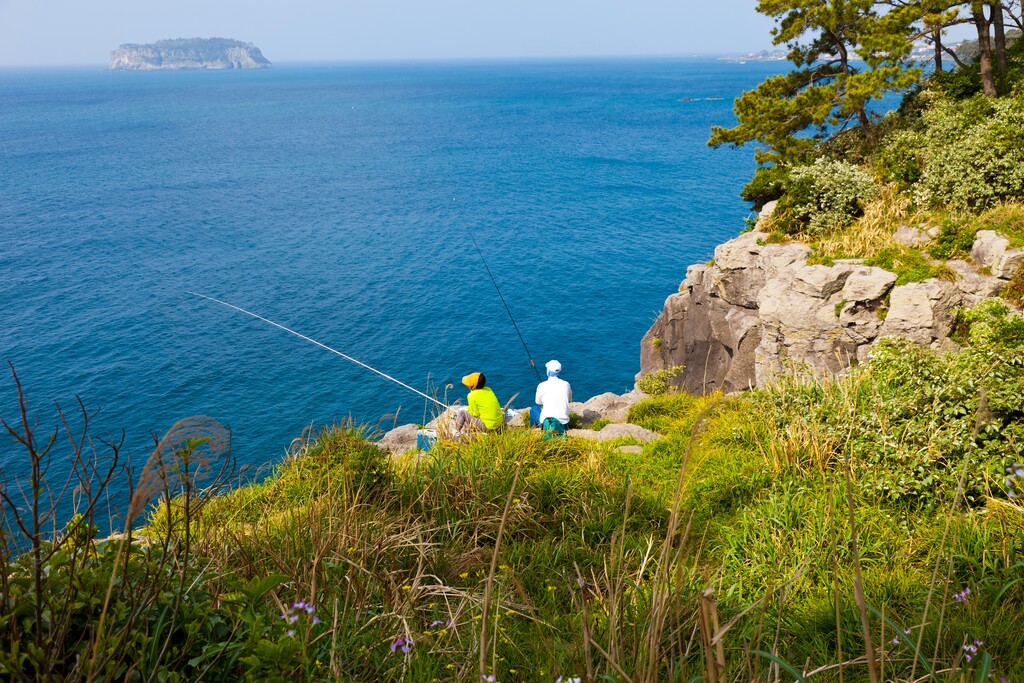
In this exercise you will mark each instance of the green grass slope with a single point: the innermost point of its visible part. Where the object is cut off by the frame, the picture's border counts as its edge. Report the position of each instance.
(726, 550)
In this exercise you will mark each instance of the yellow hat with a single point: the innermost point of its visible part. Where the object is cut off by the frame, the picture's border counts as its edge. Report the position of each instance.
(472, 380)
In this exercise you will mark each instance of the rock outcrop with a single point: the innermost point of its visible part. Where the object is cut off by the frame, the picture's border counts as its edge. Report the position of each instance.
(608, 406)
(761, 309)
(188, 53)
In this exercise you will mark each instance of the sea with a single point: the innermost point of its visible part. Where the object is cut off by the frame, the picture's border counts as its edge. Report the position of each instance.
(343, 201)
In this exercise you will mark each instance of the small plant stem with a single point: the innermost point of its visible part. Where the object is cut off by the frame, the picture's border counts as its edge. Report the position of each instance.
(713, 669)
(586, 623)
(615, 665)
(858, 584)
(835, 585)
(858, 581)
(485, 609)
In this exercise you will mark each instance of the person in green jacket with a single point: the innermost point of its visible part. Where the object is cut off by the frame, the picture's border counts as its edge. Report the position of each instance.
(482, 412)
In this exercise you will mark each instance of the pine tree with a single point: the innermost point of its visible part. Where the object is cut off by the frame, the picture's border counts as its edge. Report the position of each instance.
(827, 91)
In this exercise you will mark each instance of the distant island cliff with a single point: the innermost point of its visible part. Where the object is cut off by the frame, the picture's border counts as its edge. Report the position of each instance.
(188, 53)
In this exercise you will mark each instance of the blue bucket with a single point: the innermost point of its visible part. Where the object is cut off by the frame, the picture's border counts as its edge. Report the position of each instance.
(425, 439)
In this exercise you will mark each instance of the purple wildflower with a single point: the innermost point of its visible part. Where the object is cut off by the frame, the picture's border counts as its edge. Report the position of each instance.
(971, 649)
(403, 644)
(294, 613)
(440, 622)
(963, 595)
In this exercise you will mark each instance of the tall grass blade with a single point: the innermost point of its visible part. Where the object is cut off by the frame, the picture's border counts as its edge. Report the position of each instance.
(906, 639)
(984, 666)
(782, 664)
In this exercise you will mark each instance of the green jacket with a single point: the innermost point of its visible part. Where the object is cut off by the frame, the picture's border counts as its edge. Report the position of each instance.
(484, 404)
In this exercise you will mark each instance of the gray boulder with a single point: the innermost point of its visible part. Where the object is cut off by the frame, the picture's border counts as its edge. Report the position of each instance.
(400, 439)
(801, 329)
(921, 311)
(910, 236)
(712, 338)
(820, 282)
(765, 213)
(744, 264)
(607, 406)
(694, 276)
(867, 284)
(972, 285)
(992, 251)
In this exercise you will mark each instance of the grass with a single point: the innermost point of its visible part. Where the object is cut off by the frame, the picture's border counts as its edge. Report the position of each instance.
(909, 265)
(871, 234)
(956, 236)
(727, 549)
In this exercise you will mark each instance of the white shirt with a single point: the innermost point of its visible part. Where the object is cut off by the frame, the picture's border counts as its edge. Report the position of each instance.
(554, 395)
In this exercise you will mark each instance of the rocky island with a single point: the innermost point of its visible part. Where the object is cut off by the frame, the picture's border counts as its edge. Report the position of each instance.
(188, 53)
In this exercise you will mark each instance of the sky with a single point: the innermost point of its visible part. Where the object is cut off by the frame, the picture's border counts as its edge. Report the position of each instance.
(83, 32)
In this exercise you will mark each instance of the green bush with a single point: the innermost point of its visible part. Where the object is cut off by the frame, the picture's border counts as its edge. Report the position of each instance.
(973, 152)
(768, 184)
(898, 159)
(824, 196)
(958, 84)
(955, 239)
(660, 381)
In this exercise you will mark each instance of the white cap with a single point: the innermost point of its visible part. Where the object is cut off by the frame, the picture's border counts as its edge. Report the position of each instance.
(553, 366)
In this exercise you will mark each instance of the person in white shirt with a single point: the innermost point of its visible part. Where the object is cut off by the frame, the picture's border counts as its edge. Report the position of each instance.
(553, 397)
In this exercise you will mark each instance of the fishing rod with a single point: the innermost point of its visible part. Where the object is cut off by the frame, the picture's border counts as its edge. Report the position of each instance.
(498, 290)
(323, 346)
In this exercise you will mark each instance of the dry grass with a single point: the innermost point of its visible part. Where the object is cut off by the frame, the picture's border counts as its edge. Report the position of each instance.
(872, 233)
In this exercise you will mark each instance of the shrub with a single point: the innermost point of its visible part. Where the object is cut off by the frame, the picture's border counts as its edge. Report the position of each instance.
(768, 184)
(958, 84)
(824, 196)
(974, 153)
(954, 240)
(660, 381)
(899, 159)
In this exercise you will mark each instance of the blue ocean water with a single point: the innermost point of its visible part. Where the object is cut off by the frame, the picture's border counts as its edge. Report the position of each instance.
(338, 200)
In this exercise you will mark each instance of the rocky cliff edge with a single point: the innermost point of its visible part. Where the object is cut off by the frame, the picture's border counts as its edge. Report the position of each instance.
(759, 309)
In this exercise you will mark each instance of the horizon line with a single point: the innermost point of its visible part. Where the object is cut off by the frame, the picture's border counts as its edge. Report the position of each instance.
(415, 60)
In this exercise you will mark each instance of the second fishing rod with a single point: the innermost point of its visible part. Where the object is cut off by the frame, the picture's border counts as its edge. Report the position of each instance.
(505, 304)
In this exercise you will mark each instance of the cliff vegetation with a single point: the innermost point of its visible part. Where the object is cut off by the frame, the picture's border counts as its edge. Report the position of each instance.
(799, 532)
(859, 526)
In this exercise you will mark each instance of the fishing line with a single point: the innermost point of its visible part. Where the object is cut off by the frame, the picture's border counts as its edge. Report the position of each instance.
(498, 290)
(324, 346)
